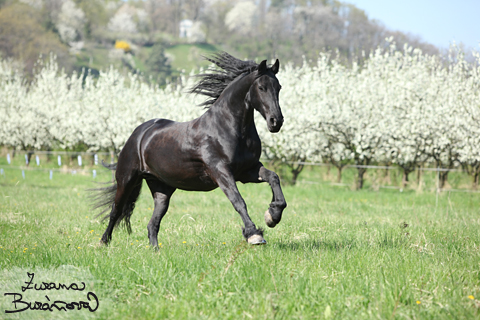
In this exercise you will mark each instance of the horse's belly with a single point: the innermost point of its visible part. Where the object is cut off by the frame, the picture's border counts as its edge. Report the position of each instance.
(183, 175)
(190, 184)
(190, 180)
(197, 185)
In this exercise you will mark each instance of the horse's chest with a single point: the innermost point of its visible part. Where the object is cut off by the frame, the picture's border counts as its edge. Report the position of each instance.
(247, 153)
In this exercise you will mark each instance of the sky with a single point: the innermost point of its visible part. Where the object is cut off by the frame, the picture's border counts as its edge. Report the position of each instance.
(439, 22)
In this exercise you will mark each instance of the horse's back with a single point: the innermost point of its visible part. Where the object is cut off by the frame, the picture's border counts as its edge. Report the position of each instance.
(134, 143)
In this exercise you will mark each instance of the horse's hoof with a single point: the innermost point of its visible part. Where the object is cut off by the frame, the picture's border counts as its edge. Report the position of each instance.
(256, 239)
(268, 219)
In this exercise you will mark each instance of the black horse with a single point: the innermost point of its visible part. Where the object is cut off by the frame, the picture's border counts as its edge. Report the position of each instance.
(215, 150)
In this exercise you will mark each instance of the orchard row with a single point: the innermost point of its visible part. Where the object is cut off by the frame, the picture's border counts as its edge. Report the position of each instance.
(400, 107)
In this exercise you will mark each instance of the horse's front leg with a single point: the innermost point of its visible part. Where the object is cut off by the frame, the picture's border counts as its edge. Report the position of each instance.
(260, 174)
(225, 180)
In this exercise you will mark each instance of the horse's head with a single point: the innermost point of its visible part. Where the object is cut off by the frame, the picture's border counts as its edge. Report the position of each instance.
(263, 95)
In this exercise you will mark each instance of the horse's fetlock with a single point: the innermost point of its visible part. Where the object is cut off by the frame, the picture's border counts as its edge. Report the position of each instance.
(250, 231)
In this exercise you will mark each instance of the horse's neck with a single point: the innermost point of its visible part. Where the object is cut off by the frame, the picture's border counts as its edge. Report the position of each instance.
(232, 106)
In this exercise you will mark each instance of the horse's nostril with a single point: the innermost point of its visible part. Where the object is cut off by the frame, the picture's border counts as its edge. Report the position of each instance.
(273, 122)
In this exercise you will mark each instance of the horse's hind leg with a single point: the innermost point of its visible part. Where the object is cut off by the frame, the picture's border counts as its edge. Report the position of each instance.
(161, 194)
(128, 190)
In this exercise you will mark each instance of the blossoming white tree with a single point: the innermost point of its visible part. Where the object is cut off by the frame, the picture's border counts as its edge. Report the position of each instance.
(70, 21)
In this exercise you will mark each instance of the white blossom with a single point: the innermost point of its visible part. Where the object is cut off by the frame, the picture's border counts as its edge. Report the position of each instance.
(70, 21)
(241, 18)
(122, 22)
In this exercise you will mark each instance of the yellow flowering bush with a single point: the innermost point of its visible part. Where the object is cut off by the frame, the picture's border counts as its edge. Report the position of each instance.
(123, 45)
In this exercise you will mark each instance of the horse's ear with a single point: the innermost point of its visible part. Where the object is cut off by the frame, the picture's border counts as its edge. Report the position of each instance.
(276, 67)
(262, 67)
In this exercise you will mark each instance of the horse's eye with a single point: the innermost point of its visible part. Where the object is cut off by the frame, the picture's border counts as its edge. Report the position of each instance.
(262, 89)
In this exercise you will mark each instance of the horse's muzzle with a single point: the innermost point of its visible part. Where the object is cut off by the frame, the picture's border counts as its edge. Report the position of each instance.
(274, 124)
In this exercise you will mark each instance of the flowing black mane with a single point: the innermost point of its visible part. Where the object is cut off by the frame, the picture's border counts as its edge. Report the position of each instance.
(216, 80)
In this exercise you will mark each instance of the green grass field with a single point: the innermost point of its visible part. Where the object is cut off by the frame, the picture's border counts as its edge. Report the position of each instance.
(184, 57)
(337, 253)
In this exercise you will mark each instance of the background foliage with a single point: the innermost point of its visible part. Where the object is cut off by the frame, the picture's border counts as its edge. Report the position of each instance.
(83, 33)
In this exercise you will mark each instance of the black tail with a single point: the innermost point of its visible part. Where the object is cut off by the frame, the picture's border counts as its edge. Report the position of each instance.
(104, 198)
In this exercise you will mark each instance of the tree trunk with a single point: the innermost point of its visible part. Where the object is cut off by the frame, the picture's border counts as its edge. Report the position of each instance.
(476, 176)
(442, 179)
(419, 177)
(295, 172)
(419, 174)
(29, 157)
(406, 172)
(473, 170)
(387, 175)
(339, 174)
(49, 155)
(361, 172)
(71, 160)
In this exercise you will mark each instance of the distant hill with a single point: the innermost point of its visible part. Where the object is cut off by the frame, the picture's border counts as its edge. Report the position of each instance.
(181, 56)
(159, 38)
